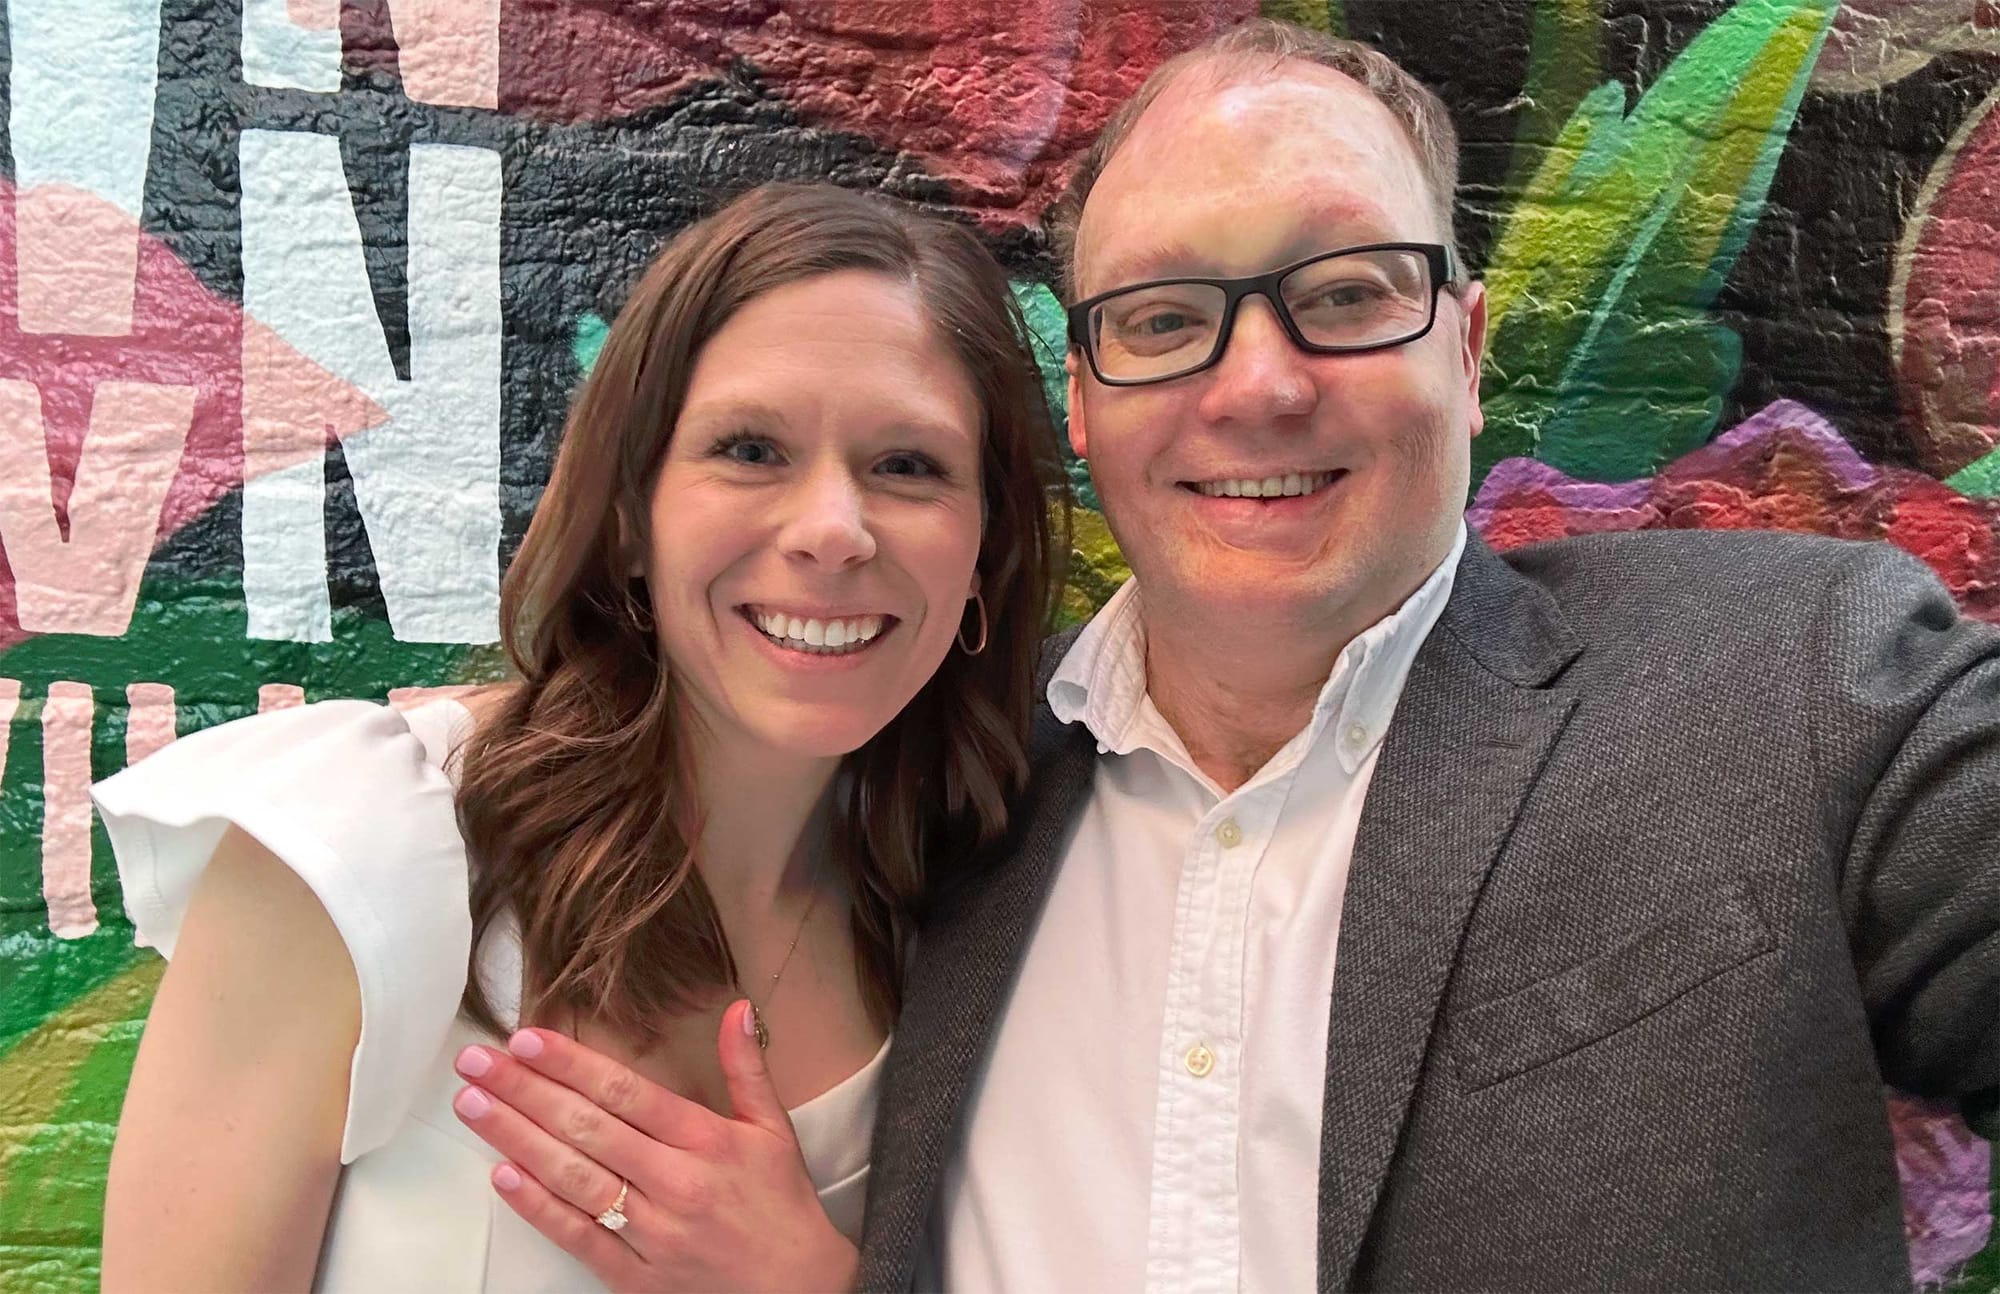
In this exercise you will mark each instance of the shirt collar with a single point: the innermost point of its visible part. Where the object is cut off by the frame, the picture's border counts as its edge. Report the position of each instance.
(1102, 678)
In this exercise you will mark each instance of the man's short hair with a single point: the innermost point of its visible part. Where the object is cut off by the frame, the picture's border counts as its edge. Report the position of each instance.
(1423, 115)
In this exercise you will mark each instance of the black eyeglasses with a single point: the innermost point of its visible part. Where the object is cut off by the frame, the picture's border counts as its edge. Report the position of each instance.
(1336, 303)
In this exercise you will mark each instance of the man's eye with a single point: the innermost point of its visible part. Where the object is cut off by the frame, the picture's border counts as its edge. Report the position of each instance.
(1345, 295)
(1161, 323)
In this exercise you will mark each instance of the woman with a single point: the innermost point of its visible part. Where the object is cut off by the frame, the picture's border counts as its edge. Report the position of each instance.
(774, 626)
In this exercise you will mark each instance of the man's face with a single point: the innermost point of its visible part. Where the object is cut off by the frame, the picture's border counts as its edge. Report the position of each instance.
(1239, 178)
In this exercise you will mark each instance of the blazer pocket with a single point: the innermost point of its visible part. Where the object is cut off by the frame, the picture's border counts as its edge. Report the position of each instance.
(1554, 1017)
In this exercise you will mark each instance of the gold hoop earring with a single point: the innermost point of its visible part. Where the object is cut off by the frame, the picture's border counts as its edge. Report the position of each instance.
(980, 603)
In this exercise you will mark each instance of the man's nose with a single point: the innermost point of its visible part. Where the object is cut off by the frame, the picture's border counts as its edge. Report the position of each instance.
(1261, 376)
(826, 520)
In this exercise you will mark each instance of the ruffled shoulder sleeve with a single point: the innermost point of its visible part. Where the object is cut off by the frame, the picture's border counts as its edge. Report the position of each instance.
(353, 797)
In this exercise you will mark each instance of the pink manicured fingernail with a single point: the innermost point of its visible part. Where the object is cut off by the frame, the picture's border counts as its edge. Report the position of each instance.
(472, 1103)
(749, 1019)
(506, 1178)
(525, 1045)
(473, 1062)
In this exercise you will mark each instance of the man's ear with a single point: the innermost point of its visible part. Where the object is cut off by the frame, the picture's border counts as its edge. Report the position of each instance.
(1079, 440)
(1472, 347)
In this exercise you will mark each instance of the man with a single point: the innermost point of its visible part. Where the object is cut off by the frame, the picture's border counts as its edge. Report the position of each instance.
(1388, 913)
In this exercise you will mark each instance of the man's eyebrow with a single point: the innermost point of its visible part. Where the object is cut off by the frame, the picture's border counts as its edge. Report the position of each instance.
(1161, 260)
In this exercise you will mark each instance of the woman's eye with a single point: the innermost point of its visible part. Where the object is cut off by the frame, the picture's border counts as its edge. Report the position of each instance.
(909, 465)
(748, 450)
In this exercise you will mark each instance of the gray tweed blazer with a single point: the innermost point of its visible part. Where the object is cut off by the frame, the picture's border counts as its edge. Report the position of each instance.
(1679, 846)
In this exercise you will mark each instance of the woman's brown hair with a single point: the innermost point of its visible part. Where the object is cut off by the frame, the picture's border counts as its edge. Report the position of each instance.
(574, 798)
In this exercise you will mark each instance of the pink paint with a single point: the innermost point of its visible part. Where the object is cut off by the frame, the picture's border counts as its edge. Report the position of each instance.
(279, 696)
(292, 407)
(409, 698)
(77, 257)
(313, 15)
(149, 719)
(66, 716)
(182, 335)
(83, 578)
(1946, 1170)
(449, 50)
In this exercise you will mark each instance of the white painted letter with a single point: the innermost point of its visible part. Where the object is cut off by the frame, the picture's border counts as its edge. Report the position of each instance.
(80, 110)
(426, 475)
(292, 44)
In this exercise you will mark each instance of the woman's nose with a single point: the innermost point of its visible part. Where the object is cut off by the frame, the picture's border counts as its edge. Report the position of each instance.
(827, 521)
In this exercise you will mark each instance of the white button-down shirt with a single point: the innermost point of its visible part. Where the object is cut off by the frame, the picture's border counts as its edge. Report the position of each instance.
(1150, 1118)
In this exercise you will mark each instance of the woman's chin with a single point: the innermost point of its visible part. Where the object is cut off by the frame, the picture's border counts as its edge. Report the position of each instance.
(822, 736)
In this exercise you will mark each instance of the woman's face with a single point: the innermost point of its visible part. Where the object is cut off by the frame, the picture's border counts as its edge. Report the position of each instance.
(816, 522)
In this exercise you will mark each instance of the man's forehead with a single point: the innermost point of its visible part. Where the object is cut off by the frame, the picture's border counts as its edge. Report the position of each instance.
(1223, 175)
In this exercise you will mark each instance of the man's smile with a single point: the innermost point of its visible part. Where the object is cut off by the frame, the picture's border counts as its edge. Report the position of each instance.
(1282, 485)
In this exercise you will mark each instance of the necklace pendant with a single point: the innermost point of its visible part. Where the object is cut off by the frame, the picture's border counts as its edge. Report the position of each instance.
(758, 1027)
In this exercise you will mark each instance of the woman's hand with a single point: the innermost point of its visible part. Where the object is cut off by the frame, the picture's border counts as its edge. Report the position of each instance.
(711, 1203)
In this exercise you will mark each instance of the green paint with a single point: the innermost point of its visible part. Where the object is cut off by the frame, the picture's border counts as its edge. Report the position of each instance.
(1981, 480)
(52, 1185)
(1329, 16)
(1048, 335)
(61, 1090)
(589, 341)
(1603, 358)
(1565, 46)
(42, 977)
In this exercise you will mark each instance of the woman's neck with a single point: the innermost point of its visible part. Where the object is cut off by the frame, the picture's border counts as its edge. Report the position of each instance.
(763, 822)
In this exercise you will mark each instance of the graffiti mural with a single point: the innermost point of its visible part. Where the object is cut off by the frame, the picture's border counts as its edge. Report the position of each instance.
(293, 294)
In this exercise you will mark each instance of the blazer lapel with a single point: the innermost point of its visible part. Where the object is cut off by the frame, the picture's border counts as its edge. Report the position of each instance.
(1472, 730)
(965, 963)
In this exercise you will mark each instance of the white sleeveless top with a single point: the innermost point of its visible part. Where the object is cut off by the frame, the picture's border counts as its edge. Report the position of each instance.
(357, 799)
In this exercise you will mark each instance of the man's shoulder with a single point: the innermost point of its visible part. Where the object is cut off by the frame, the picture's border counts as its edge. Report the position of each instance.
(1050, 658)
(1703, 571)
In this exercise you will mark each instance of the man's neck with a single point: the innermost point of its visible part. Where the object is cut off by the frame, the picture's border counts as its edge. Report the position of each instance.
(1233, 711)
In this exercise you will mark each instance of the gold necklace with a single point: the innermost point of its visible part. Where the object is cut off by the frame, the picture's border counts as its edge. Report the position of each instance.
(757, 1025)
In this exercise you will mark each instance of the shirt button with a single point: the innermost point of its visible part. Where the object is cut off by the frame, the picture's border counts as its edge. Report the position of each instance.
(1229, 834)
(1357, 735)
(1200, 1061)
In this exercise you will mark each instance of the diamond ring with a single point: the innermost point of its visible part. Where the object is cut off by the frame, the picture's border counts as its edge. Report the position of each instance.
(613, 1218)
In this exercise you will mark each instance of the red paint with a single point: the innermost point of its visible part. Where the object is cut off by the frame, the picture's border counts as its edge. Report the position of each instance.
(1949, 310)
(995, 99)
(1786, 469)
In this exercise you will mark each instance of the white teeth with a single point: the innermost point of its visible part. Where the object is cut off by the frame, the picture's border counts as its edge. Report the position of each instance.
(820, 637)
(1270, 487)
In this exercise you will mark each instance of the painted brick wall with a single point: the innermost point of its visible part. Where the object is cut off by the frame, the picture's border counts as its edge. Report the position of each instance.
(293, 293)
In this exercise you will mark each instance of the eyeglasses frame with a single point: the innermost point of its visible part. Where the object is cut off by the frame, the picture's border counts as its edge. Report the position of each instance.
(1443, 271)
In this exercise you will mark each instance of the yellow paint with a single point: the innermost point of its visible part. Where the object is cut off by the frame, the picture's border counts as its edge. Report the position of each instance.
(35, 1076)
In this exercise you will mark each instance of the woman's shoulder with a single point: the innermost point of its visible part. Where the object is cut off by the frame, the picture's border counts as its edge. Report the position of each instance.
(356, 798)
